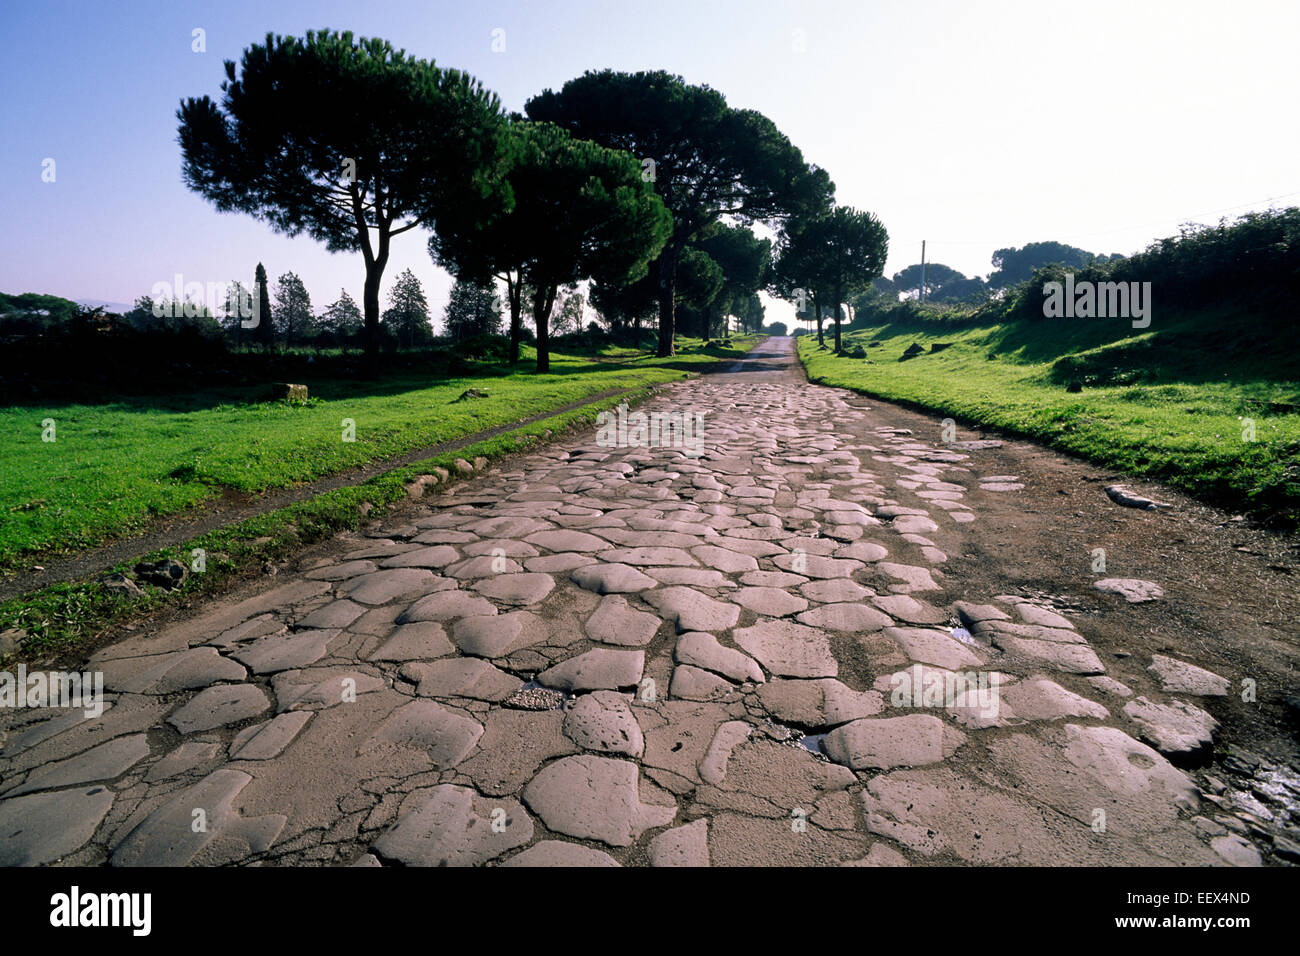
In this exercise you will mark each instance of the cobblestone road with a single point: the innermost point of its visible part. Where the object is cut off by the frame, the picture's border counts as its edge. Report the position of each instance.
(598, 655)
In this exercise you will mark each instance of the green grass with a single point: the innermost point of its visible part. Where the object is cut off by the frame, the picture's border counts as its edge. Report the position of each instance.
(114, 467)
(1168, 403)
(62, 617)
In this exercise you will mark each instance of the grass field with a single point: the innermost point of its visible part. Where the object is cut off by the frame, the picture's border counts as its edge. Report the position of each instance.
(115, 466)
(1174, 402)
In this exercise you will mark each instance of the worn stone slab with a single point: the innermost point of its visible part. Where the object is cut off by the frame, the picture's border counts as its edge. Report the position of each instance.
(597, 669)
(694, 683)
(447, 606)
(267, 741)
(424, 640)
(602, 721)
(218, 706)
(701, 649)
(846, 617)
(1177, 676)
(681, 846)
(1132, 590)
(594, 798)
(691, 610)
(108, 761)
(557, 853)
(818, 703)
(380, 587)
(453, 826)
(283, 652)
(519, 589)
(615, 622)
(45, 827)
(1175, 729)
(883, 743)
(928, 646)
(611, 578)
(470, 677)
(788, 649)
(444, 735)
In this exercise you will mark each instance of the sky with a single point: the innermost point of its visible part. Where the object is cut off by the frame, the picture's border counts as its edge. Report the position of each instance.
(971, 125)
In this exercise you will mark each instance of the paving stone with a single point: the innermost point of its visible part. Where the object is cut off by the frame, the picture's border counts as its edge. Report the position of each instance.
(701, 649)
(336, 614)
(45, 827)
(845, 617)
(466, 677)
(519, 589)
(835, 590)
(724, 559)
(341, 572)
(774, 602)
(167, 673)
(975, 613)
(342, 686)
(818, 703)
(1174, 729)
(928, 646)
(566, 540)
(484, 566)
(614, 622)
(603, 721)
(514, 746)
(1177, 676)
(691, 577)
(447, 606)
(1109, 685)
(773, 579)
(453, 826)
(863, 551)
(693, 683)
(380, 587)
(681, 846)
(815, 566)
(557, 853)
(1042, 699)
(1132, 590)
(218, 706)
(713, 768)
(190, 754)
(444, 735)
(283, 652)
(108, 761)
(1032, 614)
(1069, 658)
(558, 563)
(594, 798)
(691, 610)
(882, 743)
(167, 836)
(788, 649)
(906, 608)
(1236, 850)
(433, 556)
(597, 669)
(268, 740)
(912, 577)
(413, 642)
(508, 527)
(611, 578)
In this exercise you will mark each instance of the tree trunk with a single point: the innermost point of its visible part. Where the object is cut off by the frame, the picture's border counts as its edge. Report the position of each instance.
(817, 313)
(370, 305)
(514, 291)
(666, 268)
(543, 302)
(838, 296)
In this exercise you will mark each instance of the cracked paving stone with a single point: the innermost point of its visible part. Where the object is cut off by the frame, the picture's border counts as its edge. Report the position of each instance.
(338, 688)
(470, 677)
(497, 636)
(566, 540)
(433, 556)
(701, 649)
(729, 736)
(284, 652)
(336, 614)
(596, 669)
(818, 703)
(168, 673)
(109, 760)
(909, 609)
(692, 611)
(190, 754)
(882, 743)
(681, 846)
(787, 649)
(453, 826)
(835, 591)
(594, 798)
(167, 836)
(603, 721)
(1068, 658)
(45, 827)
(447, 606)
(444, 735)
(483, 566)
(815, 566)
(267, 741)
(773, 602)
(693, 683)
(218, 706)
(614, 622)
(380, 587)
(937, 648)
(913, 578)
(424, 640)
(514, 746)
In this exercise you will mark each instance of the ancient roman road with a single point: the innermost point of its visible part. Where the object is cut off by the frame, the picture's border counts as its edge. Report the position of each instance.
(594, 655)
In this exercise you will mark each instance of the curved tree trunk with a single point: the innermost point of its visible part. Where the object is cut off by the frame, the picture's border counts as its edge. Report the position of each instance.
(666, 269)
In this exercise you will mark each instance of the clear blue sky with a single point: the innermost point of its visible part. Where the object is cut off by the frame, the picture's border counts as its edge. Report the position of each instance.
(973, 125)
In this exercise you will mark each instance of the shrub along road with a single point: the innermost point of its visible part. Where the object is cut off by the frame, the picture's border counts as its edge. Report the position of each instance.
(594, 655)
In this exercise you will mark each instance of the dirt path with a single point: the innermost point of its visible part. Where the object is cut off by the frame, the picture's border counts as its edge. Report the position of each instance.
(606, 653)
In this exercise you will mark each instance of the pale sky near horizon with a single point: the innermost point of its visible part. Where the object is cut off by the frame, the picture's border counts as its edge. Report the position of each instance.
(974, 126)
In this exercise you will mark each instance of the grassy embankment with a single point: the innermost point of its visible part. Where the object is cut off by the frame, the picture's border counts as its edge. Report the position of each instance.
(1173, 402)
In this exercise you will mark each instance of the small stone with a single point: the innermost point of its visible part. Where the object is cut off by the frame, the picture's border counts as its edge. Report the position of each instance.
(1132, 590)
(1180, 677)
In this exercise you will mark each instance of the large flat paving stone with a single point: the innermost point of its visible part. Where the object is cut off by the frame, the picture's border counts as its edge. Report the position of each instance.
(454, 826)
(883, 743)
(597, 669)
(594, 798)
(44, 827)
(218, 706)
(692, 610)
(788, 649)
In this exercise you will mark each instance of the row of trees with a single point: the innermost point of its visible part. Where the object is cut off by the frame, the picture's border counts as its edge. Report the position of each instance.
(640, 183)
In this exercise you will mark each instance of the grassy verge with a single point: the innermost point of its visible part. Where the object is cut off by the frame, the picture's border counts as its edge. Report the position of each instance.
(113, 467)
(1203, 401)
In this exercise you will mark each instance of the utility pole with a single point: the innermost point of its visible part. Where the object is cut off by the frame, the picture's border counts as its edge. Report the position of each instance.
(921, 291)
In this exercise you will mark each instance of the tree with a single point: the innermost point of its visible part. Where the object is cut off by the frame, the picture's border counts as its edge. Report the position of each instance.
(264, 331)
(407, 315)
(240, 302)
(472, 310)
(568, 314)
(745, 261)
(342, 318)
(624, 305)
(706, 159)
(777, 328)
(1014, 265)
(798, 275)
(353, 143)
(580, 211)
(293, 314)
